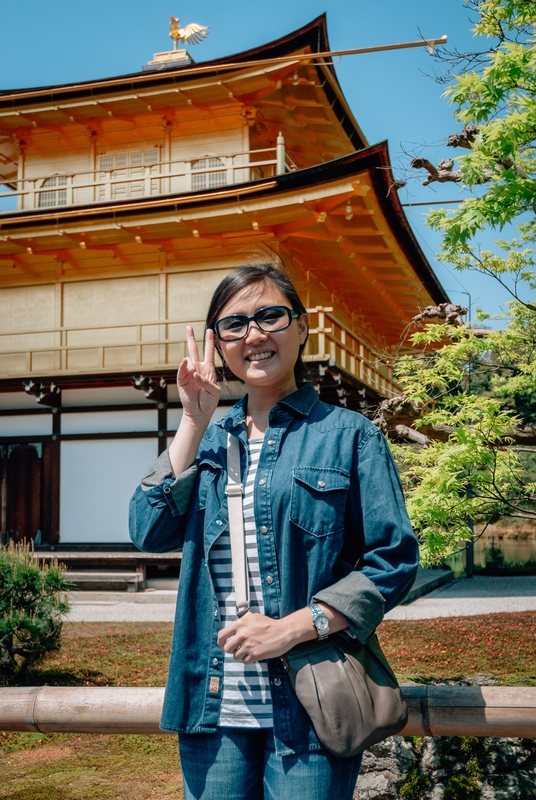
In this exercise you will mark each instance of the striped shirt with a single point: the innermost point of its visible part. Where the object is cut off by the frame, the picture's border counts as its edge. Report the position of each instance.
(246, 699)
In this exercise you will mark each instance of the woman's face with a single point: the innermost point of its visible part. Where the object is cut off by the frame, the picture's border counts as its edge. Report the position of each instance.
(263, 359)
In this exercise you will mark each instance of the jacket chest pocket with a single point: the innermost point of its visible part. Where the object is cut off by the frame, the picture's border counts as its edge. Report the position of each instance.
(318, 500)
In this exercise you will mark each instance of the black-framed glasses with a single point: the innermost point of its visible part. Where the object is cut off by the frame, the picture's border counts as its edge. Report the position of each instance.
(270, 320)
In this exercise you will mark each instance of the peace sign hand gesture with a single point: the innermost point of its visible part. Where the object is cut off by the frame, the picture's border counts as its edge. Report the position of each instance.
(196, 380)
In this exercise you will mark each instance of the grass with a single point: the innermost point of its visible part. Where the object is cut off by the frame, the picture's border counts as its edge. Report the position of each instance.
(96, 767)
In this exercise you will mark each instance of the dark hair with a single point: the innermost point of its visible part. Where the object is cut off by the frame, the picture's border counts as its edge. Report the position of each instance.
(252, 275)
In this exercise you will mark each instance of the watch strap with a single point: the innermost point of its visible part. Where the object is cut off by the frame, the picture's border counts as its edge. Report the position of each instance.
(317, 612)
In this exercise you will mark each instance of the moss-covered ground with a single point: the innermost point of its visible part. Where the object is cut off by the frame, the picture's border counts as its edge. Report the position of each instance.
(94, 767)
(89, 767)
(503, 645)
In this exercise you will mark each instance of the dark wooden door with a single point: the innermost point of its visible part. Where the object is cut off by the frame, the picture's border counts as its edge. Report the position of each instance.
(3, 495)
(23, 493)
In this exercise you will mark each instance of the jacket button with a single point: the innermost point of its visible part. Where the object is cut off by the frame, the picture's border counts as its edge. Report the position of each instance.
(322, 483)
(271, 441)
(219, 522)
(264, 529)
(215, 662)
(262, 481)
(167, 489)
(277, 681)
(269, 579)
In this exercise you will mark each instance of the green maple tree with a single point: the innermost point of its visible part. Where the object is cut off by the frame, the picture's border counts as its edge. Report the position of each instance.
(471, 398)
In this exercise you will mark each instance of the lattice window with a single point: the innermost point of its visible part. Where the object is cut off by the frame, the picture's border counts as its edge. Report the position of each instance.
(130, 166)
(208, 180)
(55, 196)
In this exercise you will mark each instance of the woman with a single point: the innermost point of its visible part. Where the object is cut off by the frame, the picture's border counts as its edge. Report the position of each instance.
(321, 494)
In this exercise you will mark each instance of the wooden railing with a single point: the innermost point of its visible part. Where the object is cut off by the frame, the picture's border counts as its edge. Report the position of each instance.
(99, 345)
(433, 710)
(162, 177)
(151, 345)
(331, 338)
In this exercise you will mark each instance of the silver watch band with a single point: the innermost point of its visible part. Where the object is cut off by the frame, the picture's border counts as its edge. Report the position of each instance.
(320, 621)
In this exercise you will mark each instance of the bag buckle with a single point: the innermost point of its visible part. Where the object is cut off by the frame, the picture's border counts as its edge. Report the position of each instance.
(243, 610)
(234, 490)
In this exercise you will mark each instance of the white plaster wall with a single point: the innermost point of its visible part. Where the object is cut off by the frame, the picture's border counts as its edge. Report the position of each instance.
(26, 425)
(102, 396)
(110, 421)
(97, 480)
(17, 400)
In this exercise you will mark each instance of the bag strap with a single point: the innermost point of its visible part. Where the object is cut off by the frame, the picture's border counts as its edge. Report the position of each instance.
(234, 491)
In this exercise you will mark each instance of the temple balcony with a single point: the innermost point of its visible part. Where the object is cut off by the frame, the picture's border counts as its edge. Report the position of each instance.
(132, 174)
(159, 345)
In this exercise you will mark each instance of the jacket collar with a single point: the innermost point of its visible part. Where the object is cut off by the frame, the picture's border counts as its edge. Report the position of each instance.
(301, 402)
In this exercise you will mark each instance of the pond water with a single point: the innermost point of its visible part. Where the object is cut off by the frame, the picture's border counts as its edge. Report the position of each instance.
(514, 551)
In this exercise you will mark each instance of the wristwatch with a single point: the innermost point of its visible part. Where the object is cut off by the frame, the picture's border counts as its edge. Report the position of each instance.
(320, 621)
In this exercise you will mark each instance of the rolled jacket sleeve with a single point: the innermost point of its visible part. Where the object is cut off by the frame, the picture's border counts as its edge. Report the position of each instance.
(389, 558)
(356, 597)
(159, 505)
(157, 472)
(176, 490)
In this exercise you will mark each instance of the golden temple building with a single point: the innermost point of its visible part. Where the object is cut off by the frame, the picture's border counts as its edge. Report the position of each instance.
(134, 196)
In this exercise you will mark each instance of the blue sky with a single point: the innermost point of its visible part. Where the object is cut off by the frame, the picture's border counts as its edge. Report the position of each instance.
(60, 41)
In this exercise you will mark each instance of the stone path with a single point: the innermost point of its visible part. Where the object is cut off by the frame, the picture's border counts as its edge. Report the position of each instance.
(463, 597)
(149, 606)
(470, 596)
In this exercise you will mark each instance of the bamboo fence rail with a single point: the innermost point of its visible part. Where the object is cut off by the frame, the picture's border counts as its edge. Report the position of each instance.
(433, 710)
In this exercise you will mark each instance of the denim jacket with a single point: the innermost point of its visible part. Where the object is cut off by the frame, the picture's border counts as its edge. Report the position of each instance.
(332, 527)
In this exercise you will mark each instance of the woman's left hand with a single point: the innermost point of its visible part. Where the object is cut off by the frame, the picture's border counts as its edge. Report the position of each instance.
(255, 637)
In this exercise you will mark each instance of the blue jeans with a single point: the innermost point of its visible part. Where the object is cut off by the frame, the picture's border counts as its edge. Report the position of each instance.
(241, 764)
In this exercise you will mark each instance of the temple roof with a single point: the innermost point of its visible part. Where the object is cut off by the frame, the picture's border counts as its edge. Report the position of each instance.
(311, 100)
(336, 214)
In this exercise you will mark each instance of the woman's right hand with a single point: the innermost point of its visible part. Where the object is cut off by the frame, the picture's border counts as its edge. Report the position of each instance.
(196, 380)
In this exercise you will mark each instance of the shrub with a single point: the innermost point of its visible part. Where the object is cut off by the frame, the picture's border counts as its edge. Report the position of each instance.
(462, 787)
(414, 785)
(32, 601)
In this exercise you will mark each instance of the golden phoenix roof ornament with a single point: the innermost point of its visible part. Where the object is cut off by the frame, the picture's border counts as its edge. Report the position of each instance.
(191, 34)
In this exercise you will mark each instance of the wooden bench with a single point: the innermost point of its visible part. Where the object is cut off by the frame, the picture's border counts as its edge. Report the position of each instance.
(108, 569)
(106, 579)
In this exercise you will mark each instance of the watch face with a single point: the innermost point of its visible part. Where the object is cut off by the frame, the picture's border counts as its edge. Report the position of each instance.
(322, 623)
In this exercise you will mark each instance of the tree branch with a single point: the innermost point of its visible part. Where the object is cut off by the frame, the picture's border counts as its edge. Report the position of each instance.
(451, 313)
(445, 172)
(411, 434)
(397, 416)
(465, 138)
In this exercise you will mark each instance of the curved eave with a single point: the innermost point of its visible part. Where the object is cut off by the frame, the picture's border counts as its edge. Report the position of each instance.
(383, 180)
(373, 160)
